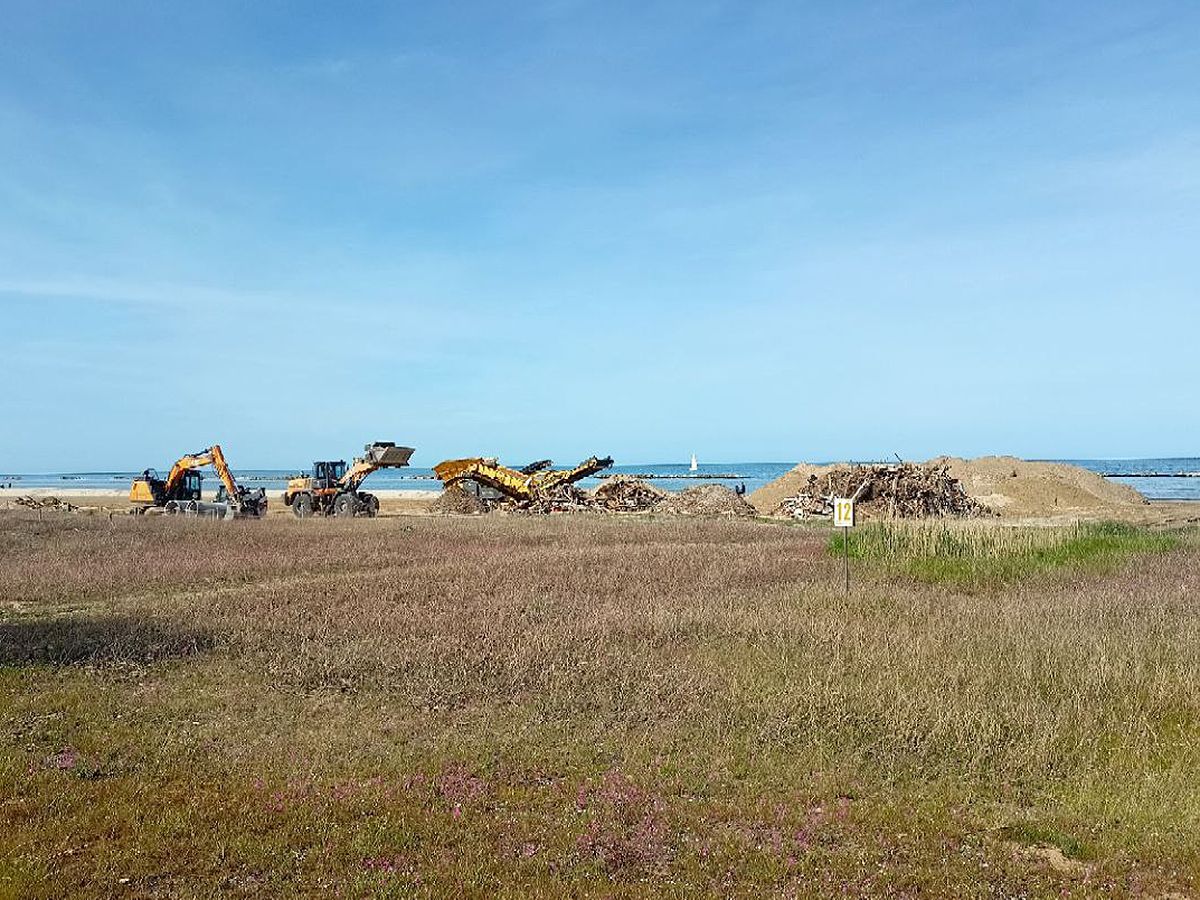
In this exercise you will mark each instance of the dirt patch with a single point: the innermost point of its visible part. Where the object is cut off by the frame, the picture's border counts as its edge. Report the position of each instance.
(706, 500)
(1051, 856)
(455, 501)
(1011, 487)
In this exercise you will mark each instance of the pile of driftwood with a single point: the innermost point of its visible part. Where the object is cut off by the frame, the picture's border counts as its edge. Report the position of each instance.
(45, 503)
(624, 493)
(559, 499)
(901, 491)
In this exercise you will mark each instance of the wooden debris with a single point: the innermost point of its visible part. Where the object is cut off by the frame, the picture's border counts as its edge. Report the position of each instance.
(625, 493)
(900, 491)
(557, 499)
(45, 503)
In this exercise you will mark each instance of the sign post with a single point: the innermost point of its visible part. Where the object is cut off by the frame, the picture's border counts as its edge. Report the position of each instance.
(843, 518)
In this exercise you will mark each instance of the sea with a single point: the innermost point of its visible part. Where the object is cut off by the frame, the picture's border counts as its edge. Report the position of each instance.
(1157, 479)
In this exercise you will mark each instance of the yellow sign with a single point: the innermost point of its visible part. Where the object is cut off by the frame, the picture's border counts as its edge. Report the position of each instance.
(843, 512)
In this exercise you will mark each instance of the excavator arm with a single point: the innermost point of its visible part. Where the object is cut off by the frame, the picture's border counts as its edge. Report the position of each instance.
(213, 456)
(222, 467)
(185, 464)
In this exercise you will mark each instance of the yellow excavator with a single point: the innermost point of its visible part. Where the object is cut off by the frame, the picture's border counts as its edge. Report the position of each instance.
(332, 488)
(490, 481)
(179, 492)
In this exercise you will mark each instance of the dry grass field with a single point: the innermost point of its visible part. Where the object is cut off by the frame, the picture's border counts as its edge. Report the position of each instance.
(509, 706)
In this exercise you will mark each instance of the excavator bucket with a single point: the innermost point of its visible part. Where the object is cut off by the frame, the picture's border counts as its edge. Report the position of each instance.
(385, 454)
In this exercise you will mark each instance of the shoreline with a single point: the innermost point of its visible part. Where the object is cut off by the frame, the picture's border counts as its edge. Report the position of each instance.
(104, 493)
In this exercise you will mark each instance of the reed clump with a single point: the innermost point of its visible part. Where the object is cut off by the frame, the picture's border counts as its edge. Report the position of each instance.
(976, 554)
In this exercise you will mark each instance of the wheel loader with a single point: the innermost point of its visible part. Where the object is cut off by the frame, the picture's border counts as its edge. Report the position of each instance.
(332, 488)
(180, 491)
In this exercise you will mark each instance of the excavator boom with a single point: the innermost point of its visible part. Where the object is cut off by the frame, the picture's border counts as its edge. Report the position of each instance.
(222, 467)
(214, 457)
(185, 464)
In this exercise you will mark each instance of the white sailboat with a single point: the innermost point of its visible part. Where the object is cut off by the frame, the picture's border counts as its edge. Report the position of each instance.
(693, 467)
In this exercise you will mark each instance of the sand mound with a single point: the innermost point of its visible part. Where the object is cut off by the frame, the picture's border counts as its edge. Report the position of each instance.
(455, 501)
(1007, 485)
(1014, 487)
(706, 500)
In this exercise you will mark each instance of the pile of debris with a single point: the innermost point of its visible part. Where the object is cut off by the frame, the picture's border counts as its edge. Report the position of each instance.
(706, 500)
(45, 503)
(454, 500)
(624, 493)
(901, 491)
(558, 499)
(619, 494)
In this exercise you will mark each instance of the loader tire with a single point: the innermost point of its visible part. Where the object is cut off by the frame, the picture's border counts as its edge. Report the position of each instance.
(302, 506)
(345, 505)
(370, 505)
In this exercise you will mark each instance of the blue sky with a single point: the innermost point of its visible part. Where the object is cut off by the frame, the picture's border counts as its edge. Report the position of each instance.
(756, 231)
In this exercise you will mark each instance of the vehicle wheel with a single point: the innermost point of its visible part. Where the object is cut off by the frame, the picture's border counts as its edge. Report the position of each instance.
(345, 505)
(370, 505)
(302, 506)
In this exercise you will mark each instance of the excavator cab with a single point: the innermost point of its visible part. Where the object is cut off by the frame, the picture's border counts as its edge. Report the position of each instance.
(151, 490)
(190, 488)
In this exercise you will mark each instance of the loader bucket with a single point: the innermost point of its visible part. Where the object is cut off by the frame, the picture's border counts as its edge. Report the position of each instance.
(385, 454)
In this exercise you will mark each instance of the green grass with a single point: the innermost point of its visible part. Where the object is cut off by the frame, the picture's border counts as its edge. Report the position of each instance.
(1033, 834)
(979, 555)
(583, 706)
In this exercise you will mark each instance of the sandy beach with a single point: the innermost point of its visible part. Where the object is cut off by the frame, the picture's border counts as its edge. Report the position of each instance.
(406, 503)
(391, 502)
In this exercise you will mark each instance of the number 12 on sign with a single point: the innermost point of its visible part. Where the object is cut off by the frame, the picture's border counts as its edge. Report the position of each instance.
(843, 518)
